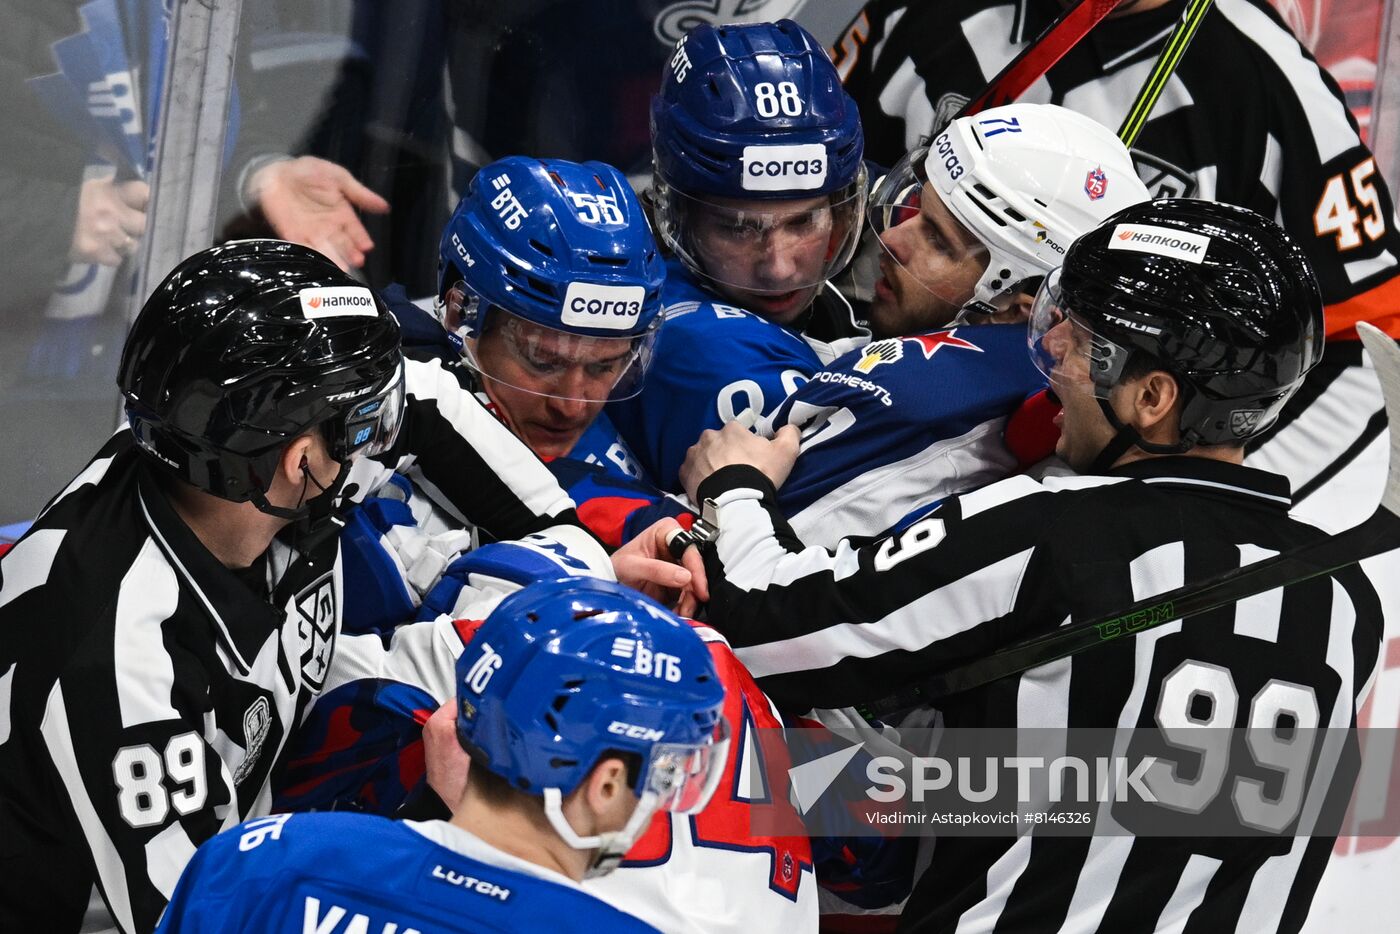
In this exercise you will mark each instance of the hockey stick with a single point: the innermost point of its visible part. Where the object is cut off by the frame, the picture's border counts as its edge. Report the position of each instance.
(1378, 534)
(1040, 56)
(1167, 61)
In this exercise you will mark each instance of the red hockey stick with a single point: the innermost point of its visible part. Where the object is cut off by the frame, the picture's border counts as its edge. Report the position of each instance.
(1040, 56)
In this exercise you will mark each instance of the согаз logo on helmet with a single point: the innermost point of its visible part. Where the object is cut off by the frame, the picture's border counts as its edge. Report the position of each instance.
(614, 307)
(784, 168)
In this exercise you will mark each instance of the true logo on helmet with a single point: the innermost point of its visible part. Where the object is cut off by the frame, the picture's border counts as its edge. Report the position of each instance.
(338, 301)
(614, 307)
(784, 168)
(1095, 183)
(1163, 241)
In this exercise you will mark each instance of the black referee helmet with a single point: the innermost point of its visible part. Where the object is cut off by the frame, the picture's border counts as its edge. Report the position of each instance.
(1214, 294)
(248, 345)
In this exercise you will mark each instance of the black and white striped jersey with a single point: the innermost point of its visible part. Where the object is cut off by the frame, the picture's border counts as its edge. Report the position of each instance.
(147, 691)
(821, 628)
(1248, 118)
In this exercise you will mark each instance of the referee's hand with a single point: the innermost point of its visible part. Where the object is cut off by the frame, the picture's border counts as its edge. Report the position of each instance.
(646, 564)
(735, 444)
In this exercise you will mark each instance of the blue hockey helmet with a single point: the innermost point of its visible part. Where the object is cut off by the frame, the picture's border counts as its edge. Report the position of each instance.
(755, 113)
(566, 672)
(565, 250)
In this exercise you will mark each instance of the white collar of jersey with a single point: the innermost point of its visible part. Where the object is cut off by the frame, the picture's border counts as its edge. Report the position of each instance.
(1202, 472)
(454, 838)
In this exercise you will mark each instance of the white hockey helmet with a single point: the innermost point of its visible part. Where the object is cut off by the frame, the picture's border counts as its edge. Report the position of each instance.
(1025, 180)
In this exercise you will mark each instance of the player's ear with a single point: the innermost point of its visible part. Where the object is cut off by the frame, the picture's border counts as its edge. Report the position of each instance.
(294, 455)
(607, 793)
(1155, 398)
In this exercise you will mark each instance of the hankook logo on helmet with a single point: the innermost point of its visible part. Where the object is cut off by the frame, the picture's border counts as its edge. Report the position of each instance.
(338, 301)
(1163, 241)
(615, 307)
(784, 168)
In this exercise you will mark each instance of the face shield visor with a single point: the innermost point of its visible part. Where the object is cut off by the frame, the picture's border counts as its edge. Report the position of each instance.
(369, 426)
(765, 248)
(547, 361)
(679, 778)
(1066, 349)
(930, 263)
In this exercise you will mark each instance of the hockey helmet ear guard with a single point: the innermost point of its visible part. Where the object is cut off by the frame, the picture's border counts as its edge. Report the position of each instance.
(566, 673)
(558, 258)
(756, 147)
(1217, 295)
(244, 347)
(1023, 180)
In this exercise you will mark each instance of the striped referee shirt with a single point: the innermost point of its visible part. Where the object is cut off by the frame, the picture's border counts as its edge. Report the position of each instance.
(821, 628)
(147, 691)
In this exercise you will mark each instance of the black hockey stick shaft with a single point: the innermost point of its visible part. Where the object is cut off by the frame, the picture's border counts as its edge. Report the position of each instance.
(1167, 61)
(1040, 56)
(1378, 534)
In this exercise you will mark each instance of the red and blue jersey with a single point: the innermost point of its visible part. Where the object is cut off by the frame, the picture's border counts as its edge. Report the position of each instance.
(903, 422)
(712, 362)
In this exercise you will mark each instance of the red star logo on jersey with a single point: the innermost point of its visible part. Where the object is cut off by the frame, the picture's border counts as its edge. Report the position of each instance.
(929, 343)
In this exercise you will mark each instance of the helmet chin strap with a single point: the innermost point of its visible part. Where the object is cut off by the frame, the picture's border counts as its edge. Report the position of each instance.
(314, 511)
(1125, 437)
(613, 845)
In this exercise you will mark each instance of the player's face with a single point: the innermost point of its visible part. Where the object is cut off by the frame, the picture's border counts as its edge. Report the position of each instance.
(766, 256)
(928, 271)
(547, 386)
(1084, 431)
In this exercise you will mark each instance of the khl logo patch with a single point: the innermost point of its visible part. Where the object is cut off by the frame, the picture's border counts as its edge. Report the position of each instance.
(316, 624)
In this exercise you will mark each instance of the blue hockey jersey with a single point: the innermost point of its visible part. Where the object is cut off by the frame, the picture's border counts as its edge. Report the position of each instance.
(901, 423)
(712, 362)
(340, 873)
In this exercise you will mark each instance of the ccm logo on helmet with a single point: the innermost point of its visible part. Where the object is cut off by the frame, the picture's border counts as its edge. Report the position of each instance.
(337, 301)
(784, 168)
(632, 731)
(615, 307)
(1163, 241)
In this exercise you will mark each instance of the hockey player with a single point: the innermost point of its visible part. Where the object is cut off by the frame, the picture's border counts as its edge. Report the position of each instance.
(363, 743)
(191, 572)
(550, 289)
(758, 190)
(1298, 157)
(1169, 353)
(585, 708)
(969, 224)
